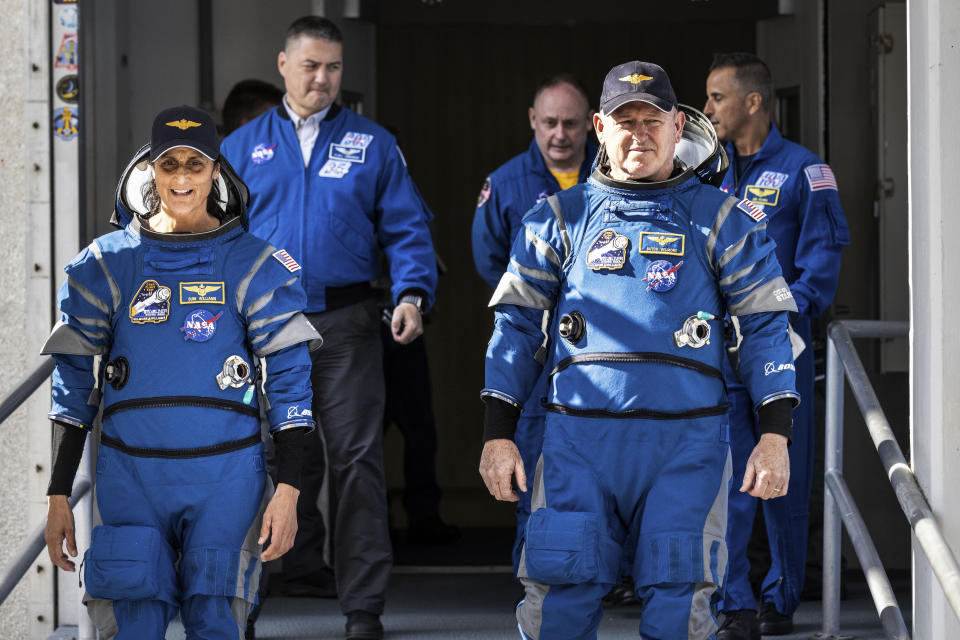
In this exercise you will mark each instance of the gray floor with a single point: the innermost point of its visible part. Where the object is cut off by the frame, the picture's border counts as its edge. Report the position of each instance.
(478, 606)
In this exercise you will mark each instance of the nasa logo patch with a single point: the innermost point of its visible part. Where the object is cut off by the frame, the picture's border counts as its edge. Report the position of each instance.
(262, 153)
(608, 251)
(354, 139)
(661, 275)
(200, 325)
(151, 303)
(543, 195)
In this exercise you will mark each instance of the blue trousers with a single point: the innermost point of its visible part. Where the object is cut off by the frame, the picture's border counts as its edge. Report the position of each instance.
(601, 482)
(177, 534)
(786, 518)
(529, 440)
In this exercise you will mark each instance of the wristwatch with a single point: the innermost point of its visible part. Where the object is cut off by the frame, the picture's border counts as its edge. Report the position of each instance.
(413, 299)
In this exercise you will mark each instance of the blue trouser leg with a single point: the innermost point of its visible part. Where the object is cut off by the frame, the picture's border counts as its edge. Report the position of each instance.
(529, 440)
(211, 617)
(140, 619)
(673, 601)
(787, 518)
(741, 508)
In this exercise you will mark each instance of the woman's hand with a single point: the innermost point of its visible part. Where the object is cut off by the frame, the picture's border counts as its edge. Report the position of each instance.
(60, 526)
(279, 522)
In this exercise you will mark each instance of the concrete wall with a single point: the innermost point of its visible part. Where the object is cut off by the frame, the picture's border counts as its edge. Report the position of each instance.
(25, 300)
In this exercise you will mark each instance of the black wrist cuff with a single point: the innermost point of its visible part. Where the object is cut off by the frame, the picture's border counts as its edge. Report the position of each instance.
(67, 450)
(290, 444)
(499, 419)
(776, 417)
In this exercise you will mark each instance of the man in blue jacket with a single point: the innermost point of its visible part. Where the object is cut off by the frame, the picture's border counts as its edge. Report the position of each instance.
(639, 264)
(799, 195)
(560, 155)
(332, 187)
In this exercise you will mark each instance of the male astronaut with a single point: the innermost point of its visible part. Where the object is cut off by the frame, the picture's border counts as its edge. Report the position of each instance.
(333, 188)
(639, 264)
(798, 193)
(560, 155)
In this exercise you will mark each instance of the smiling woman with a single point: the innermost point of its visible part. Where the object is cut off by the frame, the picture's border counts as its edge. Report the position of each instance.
(175, 323)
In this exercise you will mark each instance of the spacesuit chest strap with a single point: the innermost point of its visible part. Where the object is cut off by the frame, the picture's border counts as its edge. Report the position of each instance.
(637, 357)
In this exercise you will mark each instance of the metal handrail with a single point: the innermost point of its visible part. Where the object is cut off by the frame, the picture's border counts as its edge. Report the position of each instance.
(844, 362)
(26, 388)
(34, 544)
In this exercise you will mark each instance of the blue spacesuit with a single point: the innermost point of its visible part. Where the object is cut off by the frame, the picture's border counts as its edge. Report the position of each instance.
(175, 334)
(507, 194)
(640, 276)
(799, 196)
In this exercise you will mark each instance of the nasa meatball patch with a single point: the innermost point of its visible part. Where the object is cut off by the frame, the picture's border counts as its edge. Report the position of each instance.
(151, 303)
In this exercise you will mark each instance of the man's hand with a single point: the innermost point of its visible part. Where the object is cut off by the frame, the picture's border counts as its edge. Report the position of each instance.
(498, 462)
(407, 324)
(768, 469)
(279, 522)
(60, 527)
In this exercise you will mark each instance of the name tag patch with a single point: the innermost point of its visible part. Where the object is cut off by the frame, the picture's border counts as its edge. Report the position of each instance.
(335, 169)
(762, 195)
(608, 251)
(666, 244)
(202, 292)
(350, 154)
(151, 303)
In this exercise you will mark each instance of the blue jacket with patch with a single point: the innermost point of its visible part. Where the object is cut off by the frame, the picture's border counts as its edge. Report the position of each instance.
(508, 193)
(354, 199)
(636, 261)
(799, 195)
(176, 308)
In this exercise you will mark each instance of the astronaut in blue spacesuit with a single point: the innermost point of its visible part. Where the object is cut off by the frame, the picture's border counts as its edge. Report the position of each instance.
(798, 193)
(639, 264)
(560, 156)
(184, 327)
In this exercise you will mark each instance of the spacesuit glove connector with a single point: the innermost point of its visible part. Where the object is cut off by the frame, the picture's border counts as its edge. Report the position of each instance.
(290, 444)
(499, 419)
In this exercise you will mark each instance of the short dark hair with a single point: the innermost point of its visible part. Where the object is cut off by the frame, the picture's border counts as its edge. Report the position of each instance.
(557, 79)
(246, 100)
(752, 74)
(314, 27)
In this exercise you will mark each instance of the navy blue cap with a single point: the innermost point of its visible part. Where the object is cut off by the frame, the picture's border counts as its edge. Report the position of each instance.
(637, 81)
(184, 126)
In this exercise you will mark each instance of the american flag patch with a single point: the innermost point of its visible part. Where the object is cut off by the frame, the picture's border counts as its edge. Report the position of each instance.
(286, 260)
(820, 176)
(751, 210)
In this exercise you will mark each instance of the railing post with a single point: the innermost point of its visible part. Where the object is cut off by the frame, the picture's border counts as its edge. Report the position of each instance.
(833, 461)
(83, 519)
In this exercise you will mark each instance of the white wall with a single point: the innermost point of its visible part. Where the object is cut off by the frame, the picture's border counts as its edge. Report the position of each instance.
(934, 82)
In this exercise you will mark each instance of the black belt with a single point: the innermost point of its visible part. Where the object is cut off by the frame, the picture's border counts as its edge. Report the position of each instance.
(339, 297)
(180, 401)
(649, 414)
(196, 452)
(637, 356)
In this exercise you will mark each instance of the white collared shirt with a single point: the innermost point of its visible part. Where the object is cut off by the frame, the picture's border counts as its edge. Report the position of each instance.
(307, 130)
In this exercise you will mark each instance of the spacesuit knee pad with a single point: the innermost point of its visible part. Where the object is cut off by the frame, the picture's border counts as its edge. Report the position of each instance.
(217, 571)
(129, 563)
(568, 547)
